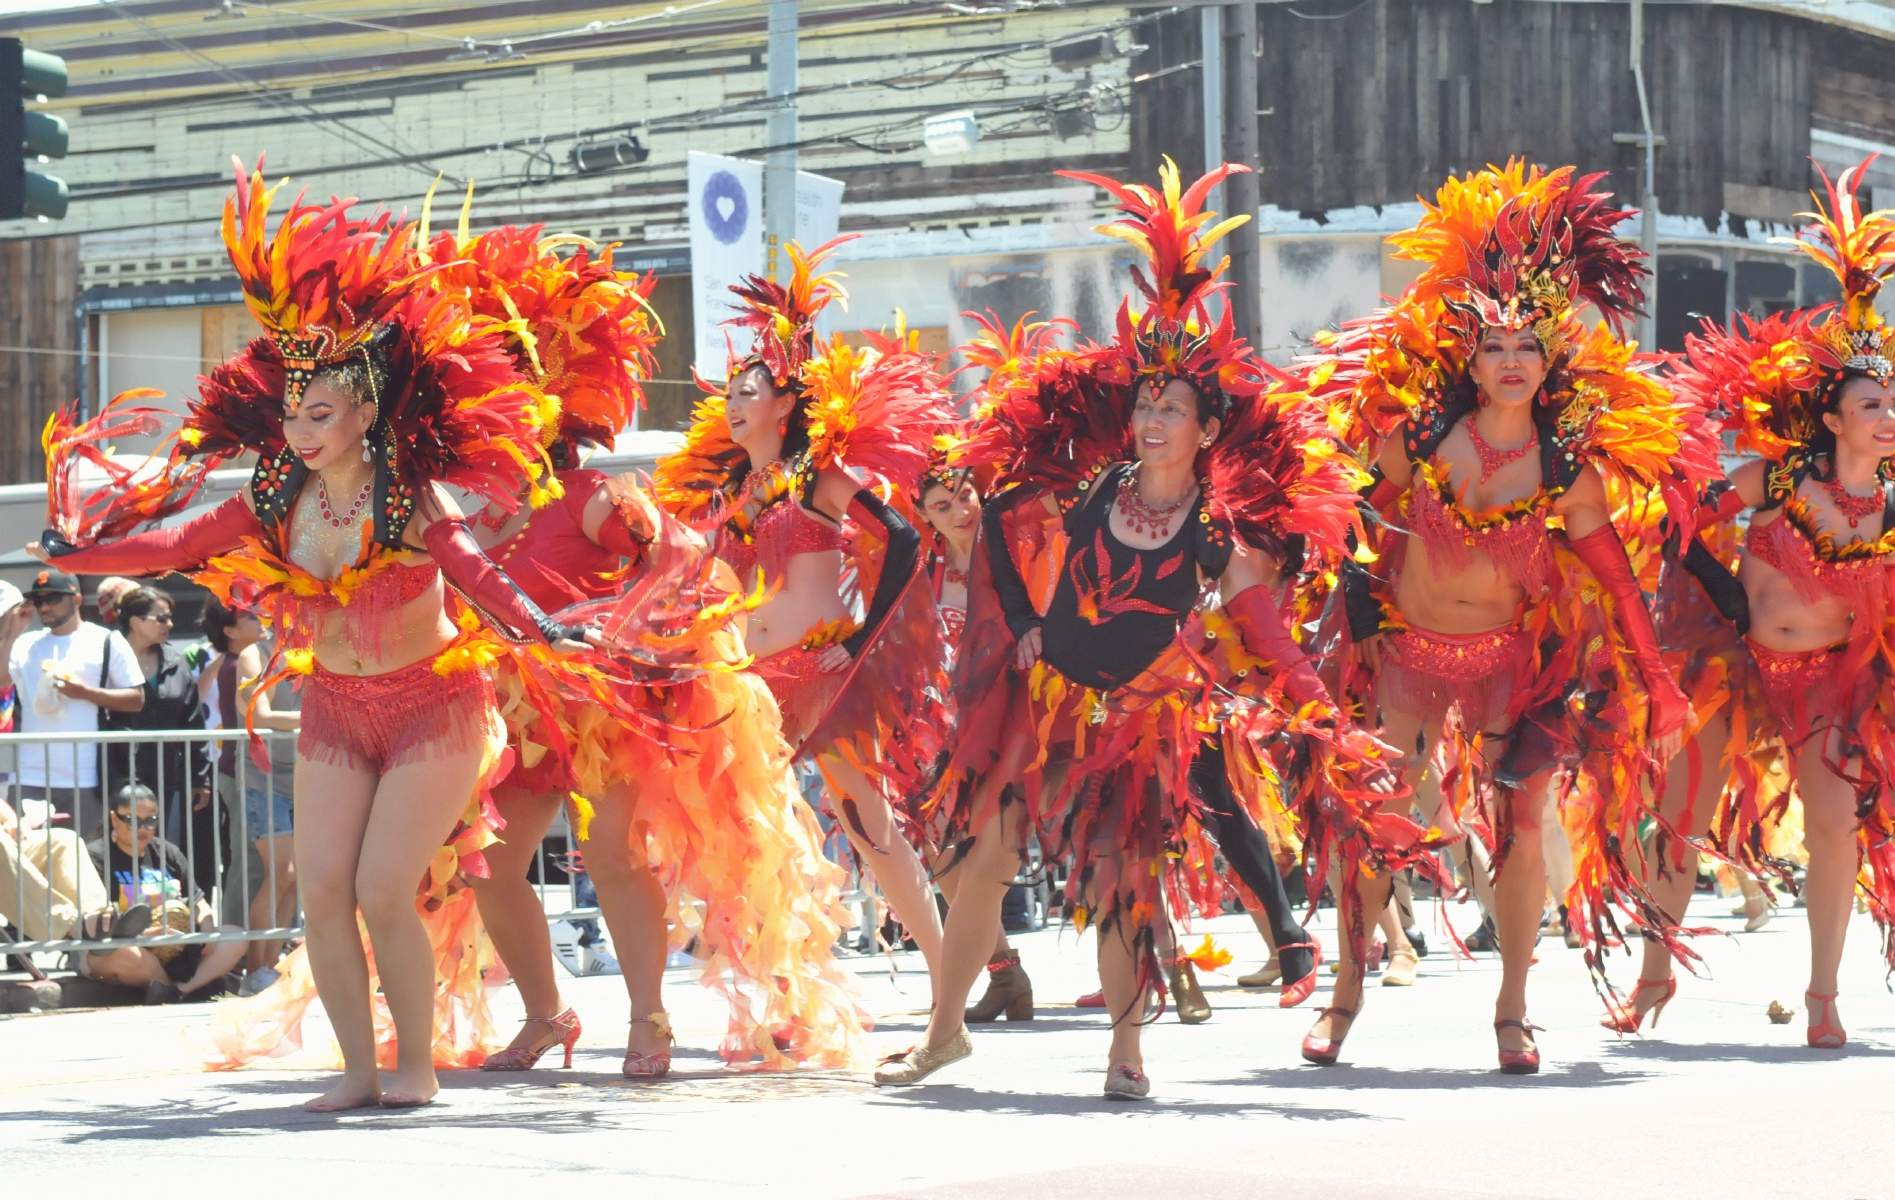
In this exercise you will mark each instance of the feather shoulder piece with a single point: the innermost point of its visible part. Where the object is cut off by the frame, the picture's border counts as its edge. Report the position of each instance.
(875, 411)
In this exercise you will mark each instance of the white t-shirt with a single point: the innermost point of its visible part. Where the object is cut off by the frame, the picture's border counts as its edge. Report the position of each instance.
(79, 655)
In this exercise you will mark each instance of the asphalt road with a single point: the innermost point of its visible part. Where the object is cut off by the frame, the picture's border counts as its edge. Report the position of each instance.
(1717, 1103)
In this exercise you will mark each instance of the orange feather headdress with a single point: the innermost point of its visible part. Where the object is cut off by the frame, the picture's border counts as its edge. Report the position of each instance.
(1770, 379)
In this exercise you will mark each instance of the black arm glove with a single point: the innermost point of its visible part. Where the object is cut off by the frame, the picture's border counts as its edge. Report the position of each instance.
(1014, 602)
(898, 567)
(1359, 603)
(1729, 597)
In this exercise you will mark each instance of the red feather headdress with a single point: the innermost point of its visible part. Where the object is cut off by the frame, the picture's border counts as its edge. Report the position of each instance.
(1174, 336)
(1769, 379)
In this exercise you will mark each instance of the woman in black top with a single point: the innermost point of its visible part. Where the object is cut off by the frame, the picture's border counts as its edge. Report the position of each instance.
(183, 784)
(1084, 697)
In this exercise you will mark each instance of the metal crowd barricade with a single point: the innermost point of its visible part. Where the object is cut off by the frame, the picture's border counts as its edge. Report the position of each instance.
(34, 851)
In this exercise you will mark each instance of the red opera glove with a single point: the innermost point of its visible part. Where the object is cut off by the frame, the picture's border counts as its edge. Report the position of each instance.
(159, 551)
(1260, 623)
(489, 588)
(1604, 555)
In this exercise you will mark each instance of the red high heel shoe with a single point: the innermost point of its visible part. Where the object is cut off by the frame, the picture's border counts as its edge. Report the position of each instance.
(649, 1066)
(1625, 1018)
(1826, 1034)
(1091, 1000)
(1519, 1062)
(521, 1058)
(1324, 1051)
(1295, 993)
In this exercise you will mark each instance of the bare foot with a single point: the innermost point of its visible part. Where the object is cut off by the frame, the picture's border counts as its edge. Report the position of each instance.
(348, 1094)
(406, 1092)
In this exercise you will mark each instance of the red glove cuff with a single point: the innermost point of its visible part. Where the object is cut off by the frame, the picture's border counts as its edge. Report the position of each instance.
(618, 533)
(1260, 623)
(1604, 555)
(159, 551)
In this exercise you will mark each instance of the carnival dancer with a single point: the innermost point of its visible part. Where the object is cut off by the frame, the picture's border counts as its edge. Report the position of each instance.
(710, 803)
(1151, 471)
(1811, 392)
(368, 394)
(1505, 433)
(949, 500)
(801, 465)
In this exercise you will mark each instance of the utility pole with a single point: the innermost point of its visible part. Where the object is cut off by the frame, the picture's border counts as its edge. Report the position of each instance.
(1648, 203)
(1242, 192)
(1211, 62)
(779, 168)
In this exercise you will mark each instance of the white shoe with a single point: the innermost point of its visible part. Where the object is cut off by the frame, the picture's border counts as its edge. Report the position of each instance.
(566, 948)
(597, 961)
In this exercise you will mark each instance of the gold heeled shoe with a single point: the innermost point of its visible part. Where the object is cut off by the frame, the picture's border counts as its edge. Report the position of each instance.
(1193, 1008)
(918, 1062)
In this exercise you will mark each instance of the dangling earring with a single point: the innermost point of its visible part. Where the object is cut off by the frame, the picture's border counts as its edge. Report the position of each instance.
(368, 455)
(1205, 444)
(783, 428)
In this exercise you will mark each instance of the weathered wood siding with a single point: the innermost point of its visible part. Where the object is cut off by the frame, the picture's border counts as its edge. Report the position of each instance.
(1380, 104)
(39, 281)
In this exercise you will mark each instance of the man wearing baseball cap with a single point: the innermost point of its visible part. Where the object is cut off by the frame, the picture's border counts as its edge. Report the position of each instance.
(65, 672)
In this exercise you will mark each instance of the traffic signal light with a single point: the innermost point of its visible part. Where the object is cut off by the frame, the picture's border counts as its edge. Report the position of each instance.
(25, 75)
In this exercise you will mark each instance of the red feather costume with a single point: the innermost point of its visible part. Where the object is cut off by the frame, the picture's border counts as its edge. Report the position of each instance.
(737, 848)
(1520, 248)
(348, 301)
(1053, 426)
(1771, 381)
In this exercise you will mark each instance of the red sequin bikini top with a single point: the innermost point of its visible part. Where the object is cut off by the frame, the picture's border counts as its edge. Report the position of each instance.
(1515, 537)
(1816, 565)
(383, 591)
(552, 559)
(781, 531)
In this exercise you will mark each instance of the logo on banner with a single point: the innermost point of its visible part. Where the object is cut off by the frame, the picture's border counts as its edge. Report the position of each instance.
(726, 209)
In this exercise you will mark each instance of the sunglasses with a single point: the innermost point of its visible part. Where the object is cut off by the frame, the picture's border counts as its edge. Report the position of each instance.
(161, 618)
(42, 599)
(150, 823)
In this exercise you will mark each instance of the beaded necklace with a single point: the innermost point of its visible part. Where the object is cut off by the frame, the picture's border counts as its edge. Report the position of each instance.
(1491, 460)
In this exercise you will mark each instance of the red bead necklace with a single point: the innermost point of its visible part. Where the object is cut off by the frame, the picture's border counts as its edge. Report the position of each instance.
(1492, 460)
(1145, 520)
(1851, 506)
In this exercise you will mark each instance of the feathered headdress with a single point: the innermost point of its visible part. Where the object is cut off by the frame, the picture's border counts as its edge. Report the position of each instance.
(1519, 248)
(1516, 247)
(782, 318)
(581, 330)
(321, 286)
(1174, 336)
(338, 294)
(1770, 379)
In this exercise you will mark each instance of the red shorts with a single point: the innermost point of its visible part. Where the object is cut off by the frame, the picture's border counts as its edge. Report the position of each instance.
(380, 722)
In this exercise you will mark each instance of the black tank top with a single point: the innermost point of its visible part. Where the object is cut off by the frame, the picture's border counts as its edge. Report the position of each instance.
(1116, 609)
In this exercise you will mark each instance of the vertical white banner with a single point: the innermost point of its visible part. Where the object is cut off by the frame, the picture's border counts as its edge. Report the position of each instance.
(726, 219)
(818, 209)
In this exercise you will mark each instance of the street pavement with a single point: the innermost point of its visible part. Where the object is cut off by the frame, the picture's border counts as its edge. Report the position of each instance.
(1718, 1102)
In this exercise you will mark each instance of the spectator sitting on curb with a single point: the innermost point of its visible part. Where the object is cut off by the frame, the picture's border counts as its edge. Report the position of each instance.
(54, 882)
(140, 867)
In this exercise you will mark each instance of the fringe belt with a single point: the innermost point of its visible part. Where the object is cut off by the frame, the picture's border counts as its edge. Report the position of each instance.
(1438, 671)
(804, 691)
(1804, 687)
(380, 722)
